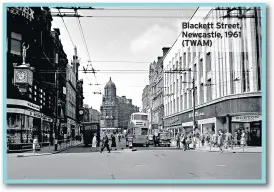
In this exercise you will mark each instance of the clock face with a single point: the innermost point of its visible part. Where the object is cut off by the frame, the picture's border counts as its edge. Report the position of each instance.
(21, 76)
(81, 112)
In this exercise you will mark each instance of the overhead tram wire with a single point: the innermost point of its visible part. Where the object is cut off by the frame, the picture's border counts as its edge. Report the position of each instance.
(86, 47)
(121, 9)
(66, 29)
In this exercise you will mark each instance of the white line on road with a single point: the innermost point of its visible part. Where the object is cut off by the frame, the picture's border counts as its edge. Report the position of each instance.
(221, 165)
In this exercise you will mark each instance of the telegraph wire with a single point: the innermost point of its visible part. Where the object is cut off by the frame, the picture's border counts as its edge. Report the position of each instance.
(67, 29)
(86, 47)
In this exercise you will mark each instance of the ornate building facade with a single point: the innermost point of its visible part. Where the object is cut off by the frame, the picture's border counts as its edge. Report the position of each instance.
(109, 109)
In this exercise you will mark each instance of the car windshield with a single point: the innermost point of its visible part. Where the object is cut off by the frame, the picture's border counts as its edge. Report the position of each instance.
(140, 117)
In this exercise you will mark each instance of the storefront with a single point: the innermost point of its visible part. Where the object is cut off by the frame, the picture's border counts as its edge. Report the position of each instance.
(24, 122)
(251, 124)
(229, 114)
(71, 125)
(46, 129)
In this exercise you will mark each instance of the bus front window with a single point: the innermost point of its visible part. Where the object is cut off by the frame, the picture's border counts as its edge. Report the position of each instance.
(140, 117)
(144, 131)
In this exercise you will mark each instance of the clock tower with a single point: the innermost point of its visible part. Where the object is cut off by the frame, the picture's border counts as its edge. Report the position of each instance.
(109, 110)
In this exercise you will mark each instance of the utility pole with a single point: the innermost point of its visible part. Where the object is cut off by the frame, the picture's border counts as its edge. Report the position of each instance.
(56, 74)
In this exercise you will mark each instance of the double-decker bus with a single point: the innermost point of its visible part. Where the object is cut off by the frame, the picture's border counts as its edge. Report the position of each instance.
(137, 132)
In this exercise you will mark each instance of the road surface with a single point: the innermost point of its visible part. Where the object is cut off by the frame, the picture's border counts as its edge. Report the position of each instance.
(141, 164)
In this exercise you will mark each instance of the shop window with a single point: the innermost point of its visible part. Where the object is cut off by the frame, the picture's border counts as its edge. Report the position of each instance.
(15, 43)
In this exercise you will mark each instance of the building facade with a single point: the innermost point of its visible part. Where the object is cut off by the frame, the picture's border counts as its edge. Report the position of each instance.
(145, 99)
(109, 109)
(31, 94)
(157, 90)
(227, 79)
(94, 115)
(125, 109)
(71, 100)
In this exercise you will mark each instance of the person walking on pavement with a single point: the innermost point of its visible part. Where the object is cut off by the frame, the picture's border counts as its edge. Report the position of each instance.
(178, 140)
(220, 141)
(183, 140)
(105, 144)
(35, 145)
(94, 142)
(119, 137)
(113, 141)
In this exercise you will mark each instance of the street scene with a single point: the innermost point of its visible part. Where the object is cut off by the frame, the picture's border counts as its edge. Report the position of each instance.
(134, 93)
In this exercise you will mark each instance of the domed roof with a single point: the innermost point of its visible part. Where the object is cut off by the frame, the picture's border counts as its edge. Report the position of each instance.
(110, 85)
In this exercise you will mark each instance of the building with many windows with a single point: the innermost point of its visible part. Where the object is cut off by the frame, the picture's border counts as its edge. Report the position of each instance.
(156, 91)
(226, 75)
(125, 109)
(34, 53)
(71, 99)
(109, 110)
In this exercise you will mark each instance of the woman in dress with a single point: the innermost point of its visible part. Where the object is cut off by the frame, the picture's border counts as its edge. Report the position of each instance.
(94, 142)
(113, 141)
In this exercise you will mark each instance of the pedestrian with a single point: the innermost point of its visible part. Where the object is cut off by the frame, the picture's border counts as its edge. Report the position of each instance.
(113, 142)
(220, 141)
(183, 140)
(178, 140)
(35, 145)
(105, 143)
(94, 142)
(119, 137)
(203, 139)
(243, 138)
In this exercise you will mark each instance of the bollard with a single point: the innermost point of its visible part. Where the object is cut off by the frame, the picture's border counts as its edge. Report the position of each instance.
(49, 146)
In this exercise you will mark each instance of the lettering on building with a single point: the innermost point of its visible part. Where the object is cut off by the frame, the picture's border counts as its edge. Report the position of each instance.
(247, 118)
(22, 11)
(196, 114)
(174, 120)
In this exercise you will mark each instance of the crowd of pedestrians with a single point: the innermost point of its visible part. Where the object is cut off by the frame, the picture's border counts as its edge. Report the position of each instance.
(221, 140)
(105, 142)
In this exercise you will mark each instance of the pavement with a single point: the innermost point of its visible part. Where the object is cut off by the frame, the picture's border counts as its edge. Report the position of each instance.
(236, 149)
(141, 164)
(47, 150)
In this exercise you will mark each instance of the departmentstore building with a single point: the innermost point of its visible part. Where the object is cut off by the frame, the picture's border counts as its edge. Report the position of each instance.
(227, 78)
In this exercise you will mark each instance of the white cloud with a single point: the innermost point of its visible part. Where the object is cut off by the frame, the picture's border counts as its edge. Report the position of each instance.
(155, 37)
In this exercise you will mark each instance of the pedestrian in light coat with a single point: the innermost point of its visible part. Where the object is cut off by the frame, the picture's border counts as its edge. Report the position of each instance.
(220, 141)
(94, 142)
(35, 145)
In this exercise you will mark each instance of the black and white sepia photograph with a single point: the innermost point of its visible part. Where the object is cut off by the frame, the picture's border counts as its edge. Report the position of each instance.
(134, 93)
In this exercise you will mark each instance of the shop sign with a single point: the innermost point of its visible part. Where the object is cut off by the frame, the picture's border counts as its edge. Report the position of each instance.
(23, 103)
(46, 118)
(246, 118)
(22, 11)
(196, 114)
(34, 114)
(174, 120)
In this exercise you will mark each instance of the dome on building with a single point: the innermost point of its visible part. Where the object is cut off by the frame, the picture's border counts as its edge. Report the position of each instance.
(110, 85)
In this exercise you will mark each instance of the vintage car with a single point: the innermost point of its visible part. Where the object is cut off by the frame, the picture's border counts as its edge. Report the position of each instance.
(164, 139)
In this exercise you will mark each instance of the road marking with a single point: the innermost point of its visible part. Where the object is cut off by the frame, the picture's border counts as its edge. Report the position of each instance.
(221, 165)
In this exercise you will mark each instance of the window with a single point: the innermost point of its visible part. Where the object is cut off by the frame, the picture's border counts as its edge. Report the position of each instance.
(15, 43)
(140, 117)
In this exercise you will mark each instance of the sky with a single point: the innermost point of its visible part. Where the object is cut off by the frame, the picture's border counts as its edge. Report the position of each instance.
(119, 40)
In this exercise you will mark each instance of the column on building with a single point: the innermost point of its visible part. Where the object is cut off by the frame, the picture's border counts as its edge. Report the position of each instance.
(252, 51)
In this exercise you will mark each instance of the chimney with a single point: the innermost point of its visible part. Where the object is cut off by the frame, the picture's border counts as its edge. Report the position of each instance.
(165, 50)
(159, 58)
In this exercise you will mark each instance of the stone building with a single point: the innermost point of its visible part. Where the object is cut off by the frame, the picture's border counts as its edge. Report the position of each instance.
(226, 75)
(109, 109)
